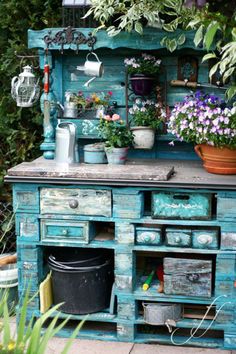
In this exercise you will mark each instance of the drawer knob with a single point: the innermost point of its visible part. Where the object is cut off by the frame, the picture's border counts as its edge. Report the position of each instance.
(73, 204)
(177, 239)
(147, 238)
(194, 277)
(205, 239)
(65, 232)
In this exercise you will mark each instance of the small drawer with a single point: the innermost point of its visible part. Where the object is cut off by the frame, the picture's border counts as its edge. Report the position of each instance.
(178, 237)
(128, 204)
(67, 231)
(75, 201)
(182, 205)
(148, 236)
(226, 206)
(205, 239)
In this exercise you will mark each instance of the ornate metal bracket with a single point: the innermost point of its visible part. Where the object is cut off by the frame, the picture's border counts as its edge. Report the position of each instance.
(69, 35)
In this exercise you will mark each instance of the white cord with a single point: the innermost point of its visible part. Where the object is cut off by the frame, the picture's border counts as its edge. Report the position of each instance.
(193, 331)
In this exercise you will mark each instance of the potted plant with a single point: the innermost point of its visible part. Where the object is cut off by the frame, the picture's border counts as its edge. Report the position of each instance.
(206, 121)
(143, 72)
(118, 138)
(146, 117)
(94, 105)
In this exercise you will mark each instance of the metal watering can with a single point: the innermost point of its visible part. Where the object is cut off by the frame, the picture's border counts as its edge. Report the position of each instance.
(66, 146)
(92, 68)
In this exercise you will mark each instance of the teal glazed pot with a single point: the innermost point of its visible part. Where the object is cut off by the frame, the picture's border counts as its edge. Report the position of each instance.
(95, 153)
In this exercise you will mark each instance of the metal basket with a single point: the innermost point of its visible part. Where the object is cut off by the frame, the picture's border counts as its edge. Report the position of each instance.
(157, 314)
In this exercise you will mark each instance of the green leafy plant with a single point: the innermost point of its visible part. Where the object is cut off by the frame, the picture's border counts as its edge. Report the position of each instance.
(115, 132)
(146, 64)
(30, 337)
(20, 129)
(118, 15)
(147, 114)
(217, 33)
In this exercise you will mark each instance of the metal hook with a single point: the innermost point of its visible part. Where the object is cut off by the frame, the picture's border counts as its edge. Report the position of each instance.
(23, 57)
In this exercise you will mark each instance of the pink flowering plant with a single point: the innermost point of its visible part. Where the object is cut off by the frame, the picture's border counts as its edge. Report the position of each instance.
(204, 119)
(147, 64)
(115, 132)
(147, 113)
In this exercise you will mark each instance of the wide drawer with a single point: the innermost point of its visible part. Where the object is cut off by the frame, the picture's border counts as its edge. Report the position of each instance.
(148, 236)
(75, 201)
(170, 205)
(67, 231)
(189, 277)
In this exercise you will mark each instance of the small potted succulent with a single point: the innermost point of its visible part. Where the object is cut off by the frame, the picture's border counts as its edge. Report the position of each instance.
(143, 72)
(146, 118)
(206, 121)
(118, 138)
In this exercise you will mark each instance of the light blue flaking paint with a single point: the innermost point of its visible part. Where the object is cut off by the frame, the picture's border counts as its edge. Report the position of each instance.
(173, 205)
(137, 233)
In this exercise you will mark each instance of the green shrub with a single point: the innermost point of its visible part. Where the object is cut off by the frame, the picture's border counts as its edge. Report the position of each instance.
(20, 129)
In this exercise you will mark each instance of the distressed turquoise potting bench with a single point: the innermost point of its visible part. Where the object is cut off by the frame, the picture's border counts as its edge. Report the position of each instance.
(160, 208)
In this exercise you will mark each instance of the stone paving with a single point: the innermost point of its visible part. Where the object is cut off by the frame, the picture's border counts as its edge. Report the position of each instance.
(100, 347)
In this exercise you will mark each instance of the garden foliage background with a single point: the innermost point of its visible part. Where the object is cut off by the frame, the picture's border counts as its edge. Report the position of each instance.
(20, 128)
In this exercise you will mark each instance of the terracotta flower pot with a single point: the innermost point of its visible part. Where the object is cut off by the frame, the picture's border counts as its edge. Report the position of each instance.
(218, 160)
(144, 137)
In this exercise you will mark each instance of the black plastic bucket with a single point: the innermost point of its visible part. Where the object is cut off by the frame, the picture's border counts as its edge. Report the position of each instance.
(84, 289)
(74, 257)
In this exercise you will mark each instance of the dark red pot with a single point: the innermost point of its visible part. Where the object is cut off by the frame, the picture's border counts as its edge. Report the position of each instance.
(141, 85)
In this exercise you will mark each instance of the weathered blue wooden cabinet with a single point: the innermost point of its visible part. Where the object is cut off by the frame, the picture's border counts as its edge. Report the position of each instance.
(160, 209)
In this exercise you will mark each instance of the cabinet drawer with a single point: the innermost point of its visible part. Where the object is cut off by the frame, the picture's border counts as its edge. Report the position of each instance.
(178, 237)
(181, 205)
(128, 204)
(206, 239)
(148, 236)
(226, 207)
(68, 231)
(75, 201)
(189, 277)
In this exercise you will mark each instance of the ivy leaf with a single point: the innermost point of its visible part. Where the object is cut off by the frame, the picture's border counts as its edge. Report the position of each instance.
(198, 36)
(138, 27)
(231, 92)
(228, 73)
(214, 69)
(208, 56)
(210, 34)
(172, 45)
(163, 41)
(181, 39)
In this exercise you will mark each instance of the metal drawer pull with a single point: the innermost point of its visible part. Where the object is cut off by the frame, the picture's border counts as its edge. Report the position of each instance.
(177, 239)
(73, 204)
(64, 232)
(192, 277)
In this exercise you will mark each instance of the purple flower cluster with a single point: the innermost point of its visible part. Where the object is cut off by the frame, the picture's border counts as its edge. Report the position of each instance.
(203, 119)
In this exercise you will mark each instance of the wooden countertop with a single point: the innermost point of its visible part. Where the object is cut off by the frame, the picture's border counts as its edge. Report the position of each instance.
(156, 172)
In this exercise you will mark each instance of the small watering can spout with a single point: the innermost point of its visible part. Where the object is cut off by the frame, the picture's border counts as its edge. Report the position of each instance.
(87, 83)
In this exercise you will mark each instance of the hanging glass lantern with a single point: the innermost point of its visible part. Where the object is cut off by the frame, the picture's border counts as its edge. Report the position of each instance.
(24, 88)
